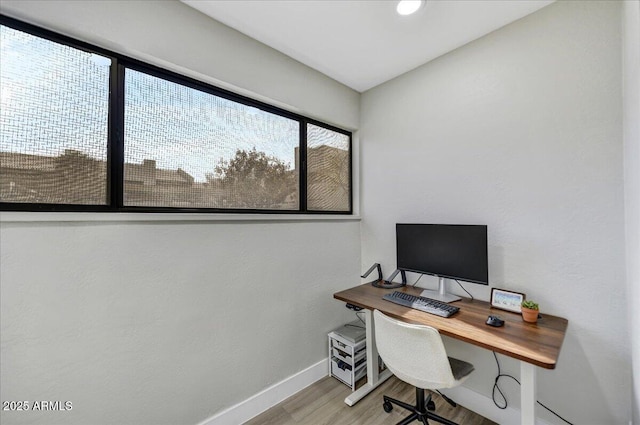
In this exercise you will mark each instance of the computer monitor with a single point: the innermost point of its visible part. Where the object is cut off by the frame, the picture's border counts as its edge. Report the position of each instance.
(449, 251)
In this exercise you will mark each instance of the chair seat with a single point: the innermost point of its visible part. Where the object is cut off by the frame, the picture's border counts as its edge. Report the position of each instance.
(416, 354)
(460, 368)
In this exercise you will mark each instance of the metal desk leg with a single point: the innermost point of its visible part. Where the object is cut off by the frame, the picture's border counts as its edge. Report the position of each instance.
(528, 393)
(374, 378)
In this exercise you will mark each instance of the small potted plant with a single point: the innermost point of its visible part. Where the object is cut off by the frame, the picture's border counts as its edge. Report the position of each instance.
(529, 311)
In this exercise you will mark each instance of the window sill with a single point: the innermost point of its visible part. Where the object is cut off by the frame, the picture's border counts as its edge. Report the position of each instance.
(22, 217)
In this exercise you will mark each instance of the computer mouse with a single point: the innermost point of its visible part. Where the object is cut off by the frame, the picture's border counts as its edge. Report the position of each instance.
(495, 321)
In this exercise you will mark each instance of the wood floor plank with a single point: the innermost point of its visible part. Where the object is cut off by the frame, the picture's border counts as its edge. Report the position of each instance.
(274, 416)
(323, 404)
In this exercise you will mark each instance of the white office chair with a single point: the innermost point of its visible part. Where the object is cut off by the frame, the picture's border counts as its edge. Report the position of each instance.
(416, 355)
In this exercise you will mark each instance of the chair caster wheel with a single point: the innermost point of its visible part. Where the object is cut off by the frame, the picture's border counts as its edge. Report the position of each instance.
(388, 407)
(431, 405)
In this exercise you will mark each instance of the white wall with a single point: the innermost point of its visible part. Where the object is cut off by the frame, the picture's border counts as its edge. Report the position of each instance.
(520, 130)
(144, 323)
(631, 105)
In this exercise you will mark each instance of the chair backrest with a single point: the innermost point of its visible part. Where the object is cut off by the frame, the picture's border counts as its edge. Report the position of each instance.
(414, 353)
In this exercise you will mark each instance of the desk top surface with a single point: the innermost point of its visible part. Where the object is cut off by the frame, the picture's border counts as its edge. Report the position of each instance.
(538, 344)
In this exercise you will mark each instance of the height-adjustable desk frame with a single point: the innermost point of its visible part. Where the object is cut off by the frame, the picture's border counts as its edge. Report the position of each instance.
(533, 344)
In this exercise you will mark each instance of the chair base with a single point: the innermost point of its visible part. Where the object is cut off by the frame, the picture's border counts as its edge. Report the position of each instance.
(420, 412)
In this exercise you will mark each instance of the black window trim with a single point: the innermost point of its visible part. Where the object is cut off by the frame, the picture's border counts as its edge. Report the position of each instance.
(115, 142)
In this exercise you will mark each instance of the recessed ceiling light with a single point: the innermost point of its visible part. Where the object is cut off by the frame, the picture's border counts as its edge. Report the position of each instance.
(407, 7)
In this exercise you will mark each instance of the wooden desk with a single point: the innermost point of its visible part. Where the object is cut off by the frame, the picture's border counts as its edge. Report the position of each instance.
(533, 344)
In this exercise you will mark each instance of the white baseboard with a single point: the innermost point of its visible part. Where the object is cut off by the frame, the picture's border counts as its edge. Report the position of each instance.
(270, 396)
(484, 406)
(284, 389)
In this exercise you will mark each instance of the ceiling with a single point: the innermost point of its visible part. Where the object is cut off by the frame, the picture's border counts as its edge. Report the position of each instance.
(363, 43)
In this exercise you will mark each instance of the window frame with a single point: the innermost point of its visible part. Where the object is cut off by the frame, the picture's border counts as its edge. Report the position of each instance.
(115, 135)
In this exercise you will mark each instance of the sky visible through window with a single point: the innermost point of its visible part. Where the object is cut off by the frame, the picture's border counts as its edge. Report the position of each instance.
(55, 97)
(183, 147)
(181, 127)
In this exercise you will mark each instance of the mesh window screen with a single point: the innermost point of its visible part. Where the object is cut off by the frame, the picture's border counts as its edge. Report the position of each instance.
(328, 170)
(190, 149)
(53, 122)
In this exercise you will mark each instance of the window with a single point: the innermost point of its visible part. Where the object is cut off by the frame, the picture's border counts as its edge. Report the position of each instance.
(188, 148)
(54, 122)
(328, 165)
(84, 129)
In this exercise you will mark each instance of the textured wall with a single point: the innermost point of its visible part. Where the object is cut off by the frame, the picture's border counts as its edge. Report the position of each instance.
(164, 323)
(631, 106)
(145, 323)
(520, 130)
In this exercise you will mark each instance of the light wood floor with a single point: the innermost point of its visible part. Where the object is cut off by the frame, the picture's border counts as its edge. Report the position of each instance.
(323, 403)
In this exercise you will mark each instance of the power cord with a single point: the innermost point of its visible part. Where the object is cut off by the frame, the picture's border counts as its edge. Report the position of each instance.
(416, 282)
(357, 311)
(463, 288)
(496, 387)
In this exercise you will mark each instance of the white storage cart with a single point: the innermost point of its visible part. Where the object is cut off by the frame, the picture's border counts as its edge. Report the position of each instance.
(348, 353)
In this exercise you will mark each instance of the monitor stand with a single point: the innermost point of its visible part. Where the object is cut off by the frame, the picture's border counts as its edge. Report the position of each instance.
(441, 294)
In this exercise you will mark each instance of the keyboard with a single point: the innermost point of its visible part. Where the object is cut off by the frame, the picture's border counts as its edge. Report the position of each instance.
(427, 305)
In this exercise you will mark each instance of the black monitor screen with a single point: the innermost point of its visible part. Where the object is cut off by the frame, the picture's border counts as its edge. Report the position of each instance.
(455, 251)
